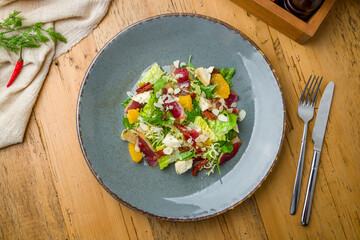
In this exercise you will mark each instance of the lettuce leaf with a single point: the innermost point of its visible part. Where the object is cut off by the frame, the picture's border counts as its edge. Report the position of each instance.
(227, 74)
(195, 112)
(186, 155)
(164, 161)
(200, 122)
(222, 128)
(148, 109)
(159, 84)
(152, 75)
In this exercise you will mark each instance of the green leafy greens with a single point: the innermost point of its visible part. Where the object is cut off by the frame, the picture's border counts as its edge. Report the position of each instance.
(227, 74)
(194, 113)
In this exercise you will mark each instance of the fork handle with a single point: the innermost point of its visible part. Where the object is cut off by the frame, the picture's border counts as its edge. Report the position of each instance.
(310, 188)
(296, 190)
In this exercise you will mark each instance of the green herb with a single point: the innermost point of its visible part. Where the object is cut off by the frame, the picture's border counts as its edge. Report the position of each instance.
(231, 134)
(125, 103)
(166, 130)
(208, 90)
(218, 166)
(157, 116)
(186, 155)
(159, 84)
(195, 112)
(189, 63)
(126, 123)
(227, 73)
(226, 147)
(14, 35)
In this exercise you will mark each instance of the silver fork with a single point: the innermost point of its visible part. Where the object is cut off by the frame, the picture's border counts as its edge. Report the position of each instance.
(306, 113)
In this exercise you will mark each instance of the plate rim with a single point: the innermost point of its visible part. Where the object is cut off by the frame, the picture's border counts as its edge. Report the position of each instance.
(84, 81)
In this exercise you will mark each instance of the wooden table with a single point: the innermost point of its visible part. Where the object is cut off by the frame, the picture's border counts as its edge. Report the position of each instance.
(48, 192)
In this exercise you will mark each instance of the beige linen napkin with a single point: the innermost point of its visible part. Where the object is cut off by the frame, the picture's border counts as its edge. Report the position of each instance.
(74, 19)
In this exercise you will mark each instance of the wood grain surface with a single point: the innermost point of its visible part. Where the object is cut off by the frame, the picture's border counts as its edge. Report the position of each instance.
(48, 192)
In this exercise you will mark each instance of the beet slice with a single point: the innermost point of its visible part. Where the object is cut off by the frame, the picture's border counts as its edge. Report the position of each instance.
(147, 150)
(182, 71)
(184, 85)
(227, 156)
(233, 97)
(175, 109)
(133, 105)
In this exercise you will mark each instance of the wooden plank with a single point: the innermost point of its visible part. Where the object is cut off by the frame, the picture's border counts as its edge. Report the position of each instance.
(29, 203)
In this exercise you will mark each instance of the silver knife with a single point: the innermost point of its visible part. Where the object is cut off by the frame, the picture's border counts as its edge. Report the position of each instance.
(318, 138)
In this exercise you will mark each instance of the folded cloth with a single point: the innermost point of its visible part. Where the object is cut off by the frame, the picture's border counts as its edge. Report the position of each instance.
(74, 19)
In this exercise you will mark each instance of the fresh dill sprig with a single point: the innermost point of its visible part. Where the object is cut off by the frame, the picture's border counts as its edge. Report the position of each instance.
(13, 35)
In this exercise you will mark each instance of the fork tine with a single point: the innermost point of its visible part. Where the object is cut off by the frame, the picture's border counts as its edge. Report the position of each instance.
(303, 93)
(312, 91)
(309, 90)
(317, 89)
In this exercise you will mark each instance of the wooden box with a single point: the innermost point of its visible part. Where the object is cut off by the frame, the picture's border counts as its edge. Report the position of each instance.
(285, 22)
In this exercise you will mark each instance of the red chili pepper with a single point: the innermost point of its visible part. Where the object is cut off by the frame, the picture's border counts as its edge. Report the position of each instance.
(199, 166)
(17, 69)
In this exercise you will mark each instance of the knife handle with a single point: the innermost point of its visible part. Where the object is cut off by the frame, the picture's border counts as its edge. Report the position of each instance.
(310, 188)
(299, 170)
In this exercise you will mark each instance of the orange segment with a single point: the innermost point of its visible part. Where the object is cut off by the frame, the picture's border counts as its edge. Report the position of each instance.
(133, 115)
(136, 156)
(223, 88)
(186, 102)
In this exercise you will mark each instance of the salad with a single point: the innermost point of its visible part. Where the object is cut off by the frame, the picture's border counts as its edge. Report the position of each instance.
(186, 115)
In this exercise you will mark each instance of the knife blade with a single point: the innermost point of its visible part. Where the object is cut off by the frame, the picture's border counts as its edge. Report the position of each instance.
(318, 138)
(322, 117)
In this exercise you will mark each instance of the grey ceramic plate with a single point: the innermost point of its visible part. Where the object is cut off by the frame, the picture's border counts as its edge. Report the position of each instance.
(162, 193)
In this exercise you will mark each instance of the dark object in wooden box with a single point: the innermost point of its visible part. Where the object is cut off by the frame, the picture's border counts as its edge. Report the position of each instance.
(285, 22)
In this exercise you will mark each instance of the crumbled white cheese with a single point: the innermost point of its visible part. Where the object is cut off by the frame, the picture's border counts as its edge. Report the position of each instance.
(215, 111)
(169, 100)
(203, 94)
(176, 63)
(176, 90)
(204, 104)
(210, 69)
(170, 90)
(242, 115)
(182, 64)
(229, 110)
(158, 93)
(170, 107)
(233, 105)
(171, 141)
(159, 105)
(223, 118)
(183, 166)
(203, 75)
(190, 141)
(142, 97)
(168, 150)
